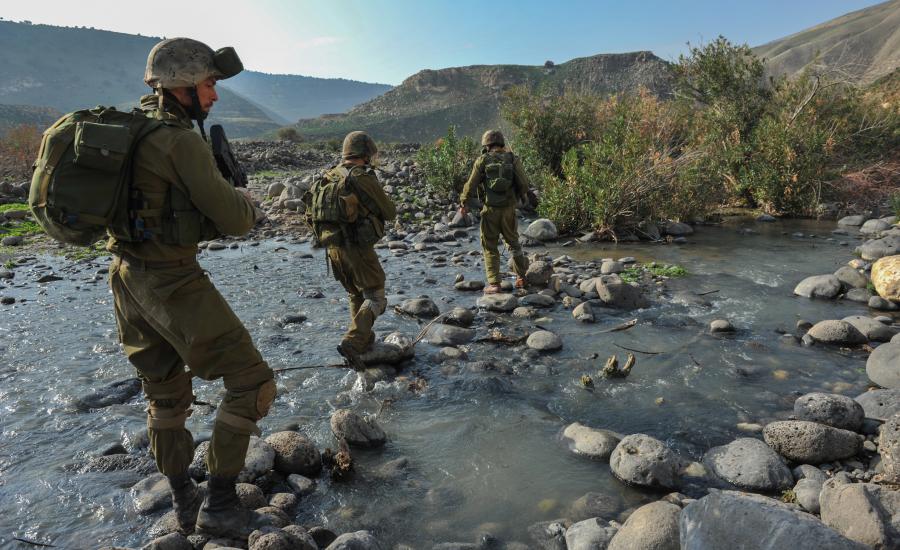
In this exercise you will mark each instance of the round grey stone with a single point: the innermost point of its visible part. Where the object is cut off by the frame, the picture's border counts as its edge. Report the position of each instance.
(837, 411)
(652, 526)
(721, 325)
(644, 461)
(810, 442)
(260, 459)
(449, 335)
(420, 307)
(819, 286)
(807, 492)
(590, 442)
(544, 340)
(883, 365)
(356, 430)
(539, 273)
(870, 328)
(851, 278)
(295, 454)
(538, 300)
(880, 404)
(497, 302)
(749, 464)
(542, 230)
(837, 333)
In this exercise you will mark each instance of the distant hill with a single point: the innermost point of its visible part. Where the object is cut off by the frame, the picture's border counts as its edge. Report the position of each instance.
(865, 44)
(69, 68)
(422, 107)
(15, 115)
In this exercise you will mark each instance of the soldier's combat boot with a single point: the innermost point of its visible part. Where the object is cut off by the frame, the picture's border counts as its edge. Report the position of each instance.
(186, 500)
(350, 356)
(222, 515)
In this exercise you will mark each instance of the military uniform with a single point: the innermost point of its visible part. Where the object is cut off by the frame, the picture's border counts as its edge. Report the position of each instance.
(168, 312)
(356, 266)
(499, 218)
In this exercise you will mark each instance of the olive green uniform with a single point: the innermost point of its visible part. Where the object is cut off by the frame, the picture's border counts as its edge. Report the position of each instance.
(499, 219)
(357, 267)
(168, 312)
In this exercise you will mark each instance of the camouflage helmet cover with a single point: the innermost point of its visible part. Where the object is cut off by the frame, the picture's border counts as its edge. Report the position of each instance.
(493, 137)
(358, 145)
(183, 62)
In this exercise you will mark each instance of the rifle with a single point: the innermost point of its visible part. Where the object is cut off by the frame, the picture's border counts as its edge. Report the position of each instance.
(229, 166)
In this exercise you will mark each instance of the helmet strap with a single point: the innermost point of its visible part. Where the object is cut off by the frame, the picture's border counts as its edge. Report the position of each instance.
(196, 111)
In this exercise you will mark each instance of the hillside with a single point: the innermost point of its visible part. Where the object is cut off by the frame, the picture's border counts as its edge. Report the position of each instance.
(865, 44)
(422, 107)
(15, 115)
(80, 67)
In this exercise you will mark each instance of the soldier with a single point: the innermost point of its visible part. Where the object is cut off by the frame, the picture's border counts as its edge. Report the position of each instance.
(168, 312)
(352, 255)
(499, 178)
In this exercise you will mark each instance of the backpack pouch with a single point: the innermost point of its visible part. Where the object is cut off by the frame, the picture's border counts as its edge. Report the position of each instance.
(101, 146)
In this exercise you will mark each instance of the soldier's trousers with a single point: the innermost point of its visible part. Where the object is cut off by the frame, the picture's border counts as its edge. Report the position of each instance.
(174, 317)
(358, 269)
(496, 221)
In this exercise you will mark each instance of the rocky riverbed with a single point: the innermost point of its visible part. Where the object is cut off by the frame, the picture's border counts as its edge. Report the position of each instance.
(751, 402)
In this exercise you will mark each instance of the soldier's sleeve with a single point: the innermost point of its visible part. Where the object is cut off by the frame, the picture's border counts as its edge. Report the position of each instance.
(522, 183)
(475, 179)
(213, 196)
(378, 199)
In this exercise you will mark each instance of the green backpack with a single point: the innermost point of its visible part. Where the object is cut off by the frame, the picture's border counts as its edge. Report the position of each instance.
(499, 174)
(81, 187)
(331, 206)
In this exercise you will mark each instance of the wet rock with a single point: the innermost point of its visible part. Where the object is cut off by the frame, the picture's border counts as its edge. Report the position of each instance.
(497, 302)
(300, 538)
(548, 535)
(151, 494)
(524, 312)
(678, 229)
(591, 442)
(113, 394)
(141, 464)
(879, 248)
(880, 404)
(889, 449)
(644, 461)
(216, 245)
(356, 430)
(460, 317)
(749, 464)
(275, 189)
(460, 220)
(583, 312)
(819, 286)
(811, 443)
(851, 278)
(270, 539)
(449, 335)
(806, 491)
(653, 526)
(590, 534)
(291, 319)
(872, 227)
(165, 525)
(542, 230)
(870, 328)
(860, 295)
(721, 326)
(276, 516)
(592, 505)
(544, 340)
(360, 540)
(539, 273)
(852, 221)
(863, 512)
(469, 285)
(879, 303)
(538, 300)
(285, 501)
(295, 454)
(883, 365)
(420, 307)
(836, 332)
(172, 541)
(12, 240)
(322, 536)
(765, 218)
(198, 468)
(610, 267)
(260, 459)
(301, 485)
(728, 519)
(620, 295)
(833, 410)
(886, 277)
(251, 496)
(384, 353)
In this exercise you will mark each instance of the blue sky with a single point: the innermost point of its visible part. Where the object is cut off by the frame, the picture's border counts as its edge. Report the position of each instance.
(386, 41)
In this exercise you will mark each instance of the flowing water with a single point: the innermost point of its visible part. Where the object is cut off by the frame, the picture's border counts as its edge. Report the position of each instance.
(482, 441)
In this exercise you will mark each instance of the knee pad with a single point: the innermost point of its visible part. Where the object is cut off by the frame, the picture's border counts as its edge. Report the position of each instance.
(243, 406)
(375, 301)
(170, 402)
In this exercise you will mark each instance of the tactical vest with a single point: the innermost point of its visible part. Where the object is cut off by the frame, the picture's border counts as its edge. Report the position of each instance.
(499, 175)
(336, 213)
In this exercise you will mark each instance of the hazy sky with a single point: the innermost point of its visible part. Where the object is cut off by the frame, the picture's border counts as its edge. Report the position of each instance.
(386, 41)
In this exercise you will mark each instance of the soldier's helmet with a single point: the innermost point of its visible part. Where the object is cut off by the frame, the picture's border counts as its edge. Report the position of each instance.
(358, 145)
(493, 137)
(184, 62)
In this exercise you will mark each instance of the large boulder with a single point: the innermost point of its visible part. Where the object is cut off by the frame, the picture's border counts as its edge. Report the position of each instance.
(539, 273)
(819, 286)
(879, 248)
(749, 464)
(886, 277)
(590, 534)
(356, 430)
(544, 340)
(851, 278)
(872, 227)
(880, 404)
(538, 300)
(864, 512)
(295, 454)
(420, 307)
(115, 393)
(653, 526)
(151, 494)
(449, 335)
(620, 295)
(883, 365)
(497, 302)
(889, 449)
(873, 330)
(852, 221)
(259, 460)
(837, 411)
(839, 333)
(644, 461)
(542, 230)
(810, 442)
(678, 229)
(740, 521)
(590, 442)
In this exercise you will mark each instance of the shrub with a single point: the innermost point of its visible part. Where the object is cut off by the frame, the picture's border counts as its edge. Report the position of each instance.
(18, 150)
(289, 133)
(447, 163)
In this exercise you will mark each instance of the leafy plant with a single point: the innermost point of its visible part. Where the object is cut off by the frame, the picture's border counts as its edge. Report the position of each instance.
(447, 163)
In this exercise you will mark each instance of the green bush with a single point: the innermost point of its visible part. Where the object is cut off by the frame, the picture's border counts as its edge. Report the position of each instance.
(895, 203)
(289, 133)
(447, 163)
